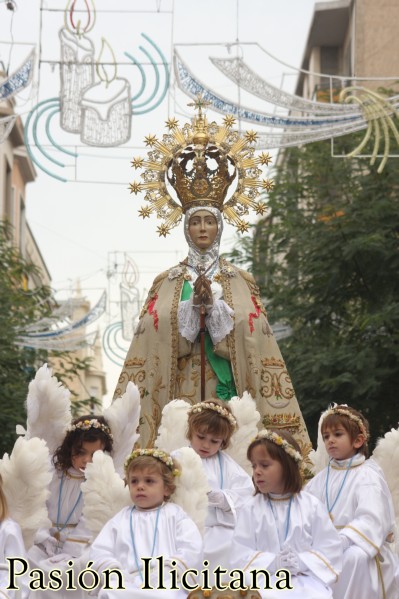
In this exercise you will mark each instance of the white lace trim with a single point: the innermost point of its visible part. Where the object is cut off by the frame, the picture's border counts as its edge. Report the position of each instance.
(219, 321)
(189, 320)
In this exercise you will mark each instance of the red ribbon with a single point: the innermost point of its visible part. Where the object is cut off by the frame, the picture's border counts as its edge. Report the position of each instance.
(153, 312)
(253, 315)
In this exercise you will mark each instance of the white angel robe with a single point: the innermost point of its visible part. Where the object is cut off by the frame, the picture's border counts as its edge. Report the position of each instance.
(171, 534)
(363, 512)
(224, 474)
(259, 538)
(74, 538)
(11, 545)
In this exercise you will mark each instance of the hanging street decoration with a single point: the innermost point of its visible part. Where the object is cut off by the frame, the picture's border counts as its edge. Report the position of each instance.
(106, 106)
(19, 80)
(94, 102)
(117, 335)
(77, 65)
(359, 109)
(10, 87)
(59, 332)
(97, 106)
(140, 106)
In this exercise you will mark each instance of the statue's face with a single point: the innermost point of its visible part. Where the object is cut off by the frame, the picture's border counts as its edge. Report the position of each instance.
(202, 228)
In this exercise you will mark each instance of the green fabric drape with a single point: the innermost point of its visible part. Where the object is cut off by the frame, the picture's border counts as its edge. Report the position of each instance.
(225, 389)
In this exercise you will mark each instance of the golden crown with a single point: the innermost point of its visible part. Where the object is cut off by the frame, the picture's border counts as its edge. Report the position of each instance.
(201, 161)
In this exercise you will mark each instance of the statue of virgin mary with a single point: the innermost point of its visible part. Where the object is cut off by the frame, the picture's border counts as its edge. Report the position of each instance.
(201, 162)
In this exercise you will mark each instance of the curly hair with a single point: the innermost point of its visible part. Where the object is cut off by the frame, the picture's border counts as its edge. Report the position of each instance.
(74, 439)
(211, 422)
(147, 462)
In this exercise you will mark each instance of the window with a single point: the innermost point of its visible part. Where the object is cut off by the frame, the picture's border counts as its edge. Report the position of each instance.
(329, 60)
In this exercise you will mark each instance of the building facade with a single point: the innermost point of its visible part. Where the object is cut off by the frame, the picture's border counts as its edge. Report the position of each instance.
(16, 172)
(355, 41)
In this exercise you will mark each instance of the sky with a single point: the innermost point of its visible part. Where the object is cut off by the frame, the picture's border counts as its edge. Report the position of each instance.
(85, 226)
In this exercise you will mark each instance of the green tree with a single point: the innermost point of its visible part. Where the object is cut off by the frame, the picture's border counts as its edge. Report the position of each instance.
(327, 262)
(21, 307)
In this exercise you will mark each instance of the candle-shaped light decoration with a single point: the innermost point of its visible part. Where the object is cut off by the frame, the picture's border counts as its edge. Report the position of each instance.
(129, 298)
(77, 61)
(106, 106)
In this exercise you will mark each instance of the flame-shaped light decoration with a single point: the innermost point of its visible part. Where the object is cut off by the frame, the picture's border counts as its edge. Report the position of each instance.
(130, 273)
(106, 70)
(378, 113)
(74, 24)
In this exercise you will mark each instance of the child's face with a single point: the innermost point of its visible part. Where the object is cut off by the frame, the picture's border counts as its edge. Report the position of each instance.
(147, 488)
(205, 444)
(339, 444)
(267, 473)
(84, 455)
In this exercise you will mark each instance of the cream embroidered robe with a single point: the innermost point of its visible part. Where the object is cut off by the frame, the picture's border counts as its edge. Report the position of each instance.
(165, 365)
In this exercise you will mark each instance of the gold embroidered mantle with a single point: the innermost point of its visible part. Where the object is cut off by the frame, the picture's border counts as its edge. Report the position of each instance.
(166, 366)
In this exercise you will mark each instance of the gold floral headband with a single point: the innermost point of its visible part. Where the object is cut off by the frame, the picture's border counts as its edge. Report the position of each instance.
(158, 454)
(277, 440)
(342, 411)
(198, 407)
(85, 425)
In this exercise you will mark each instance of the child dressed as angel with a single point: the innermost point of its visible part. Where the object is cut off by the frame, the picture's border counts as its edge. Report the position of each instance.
(283, 529)
(359, 502)
(68, 537)
(153, 526)
(211, 425)
(72, 444)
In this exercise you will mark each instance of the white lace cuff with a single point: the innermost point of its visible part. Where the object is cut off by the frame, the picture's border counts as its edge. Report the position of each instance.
(189, 320)
(219, 321)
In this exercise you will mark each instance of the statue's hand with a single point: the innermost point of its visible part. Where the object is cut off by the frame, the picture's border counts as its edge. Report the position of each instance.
(202, 292)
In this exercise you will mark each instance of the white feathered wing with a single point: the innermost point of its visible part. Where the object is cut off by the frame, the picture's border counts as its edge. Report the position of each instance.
(386, 454)
(191, 486)
(26, 475)
(247, 416)
(173, 427)
(319, 457)
(104, 492)
(48, 409)
(123, 417)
